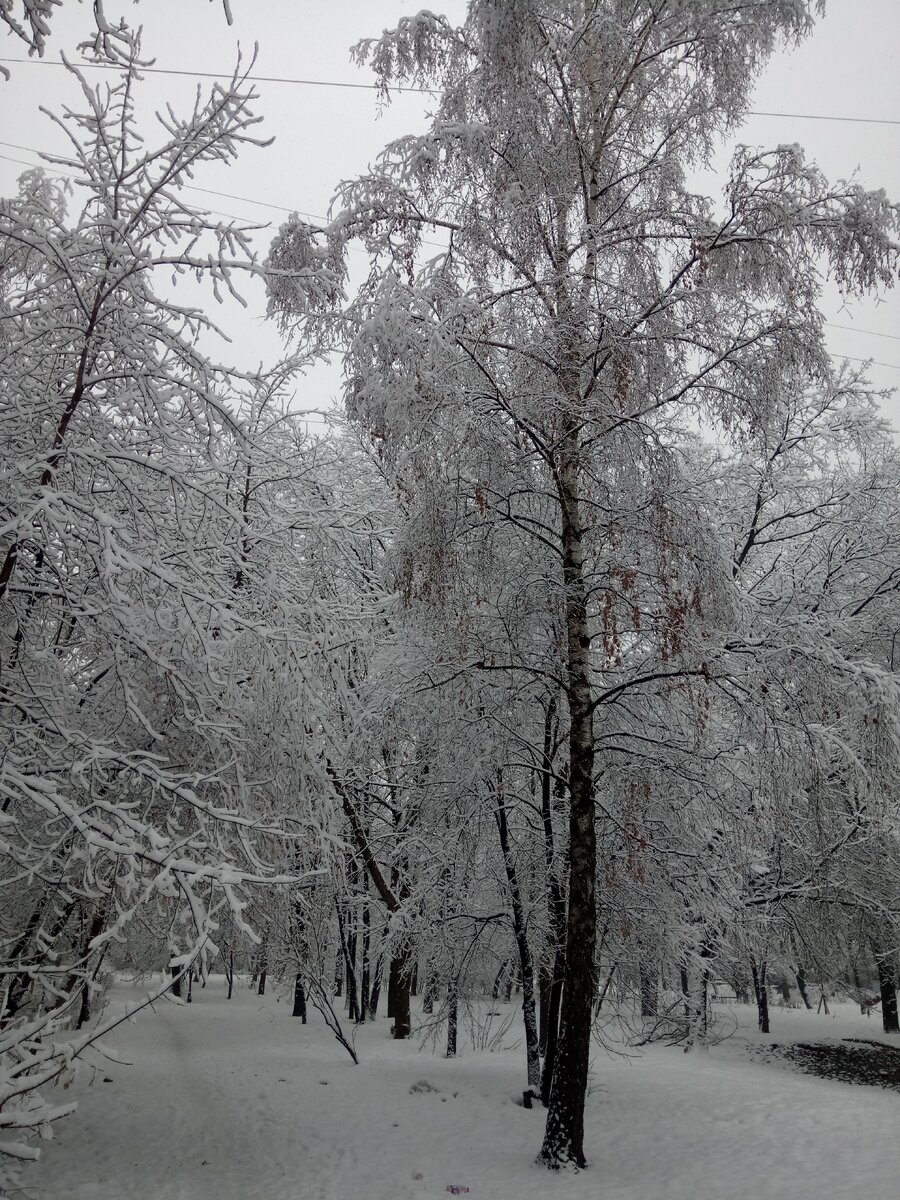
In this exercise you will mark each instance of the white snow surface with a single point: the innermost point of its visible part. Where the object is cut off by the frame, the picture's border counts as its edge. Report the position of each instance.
(238, 1101)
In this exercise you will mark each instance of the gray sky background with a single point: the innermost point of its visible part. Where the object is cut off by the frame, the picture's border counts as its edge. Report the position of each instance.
(849, 67)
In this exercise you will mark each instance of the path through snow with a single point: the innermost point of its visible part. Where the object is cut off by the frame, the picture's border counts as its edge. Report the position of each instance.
(239, 1101)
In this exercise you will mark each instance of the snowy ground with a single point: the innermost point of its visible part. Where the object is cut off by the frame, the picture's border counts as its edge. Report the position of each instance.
(238, 1101)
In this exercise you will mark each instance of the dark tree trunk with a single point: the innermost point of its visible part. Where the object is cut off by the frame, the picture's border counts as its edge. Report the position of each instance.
(431, 990)
(498, 981)
(532, 1053)
(784, 987)
(556, 990)
(364, 984)
(262, 965)
(21, 983)
(545, 983)
(801, 987)
(299, 998)
(339, 970)
(376, 988)
(452, 1016)
(393, 897)
(352, 993)
(603, 991)
(762, 995)
(414, 981)
(97, 924)
(352, 987)
(887, 983)
(556, 903)
(190, 995)
(175, 972)
(564, 1135)
(229, 974)
(648, 985)
(392, 987)
(398, 982)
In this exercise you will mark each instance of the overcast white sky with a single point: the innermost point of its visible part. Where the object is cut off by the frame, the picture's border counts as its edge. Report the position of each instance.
(849, 67)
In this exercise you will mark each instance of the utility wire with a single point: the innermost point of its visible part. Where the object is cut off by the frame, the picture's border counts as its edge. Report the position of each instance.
(281, 208)
(317, 217)
(337, 83)
(855, 329)
(374, 87)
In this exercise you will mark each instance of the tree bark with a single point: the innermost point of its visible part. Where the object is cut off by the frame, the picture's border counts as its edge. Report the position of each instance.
(887, 983)
(375, 993)
(532, 1052)
(452, 1016)
(564, 1135)
(556, 903)
(402, 1026)
(366, 966)
(762, 995)
(399, 980)
(647, 974)
(431, 990)
(299, 1009)
(352, 994)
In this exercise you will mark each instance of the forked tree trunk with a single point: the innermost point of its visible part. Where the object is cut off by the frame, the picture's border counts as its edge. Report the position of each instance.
(399, 1000)
(556, 904)
(532, 1053)
(762, 995)
(352, 993)
(564, 1135)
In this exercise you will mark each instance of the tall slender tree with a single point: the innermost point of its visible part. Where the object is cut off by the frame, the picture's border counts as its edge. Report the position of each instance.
(581, 301)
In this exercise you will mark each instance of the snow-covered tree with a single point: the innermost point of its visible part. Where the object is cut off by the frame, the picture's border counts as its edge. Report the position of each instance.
(585, 303)
(143, 517)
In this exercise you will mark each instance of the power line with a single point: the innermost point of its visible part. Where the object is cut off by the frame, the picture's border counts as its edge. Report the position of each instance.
(856, 329)
(374, 87)
(187, 187)
(871, 363)
(336, 83)
(824, 117)
(281, 208)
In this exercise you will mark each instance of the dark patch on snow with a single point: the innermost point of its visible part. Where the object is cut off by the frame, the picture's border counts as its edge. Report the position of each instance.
(422, 1086)
(854, 1060)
